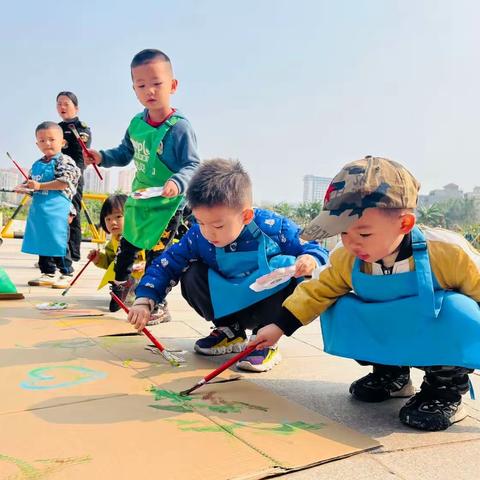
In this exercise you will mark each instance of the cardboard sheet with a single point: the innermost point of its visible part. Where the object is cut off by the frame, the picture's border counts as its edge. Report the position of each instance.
(95, 406)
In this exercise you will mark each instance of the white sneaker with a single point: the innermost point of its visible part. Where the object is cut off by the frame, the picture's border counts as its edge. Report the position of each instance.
(63, 281)
(44, 280)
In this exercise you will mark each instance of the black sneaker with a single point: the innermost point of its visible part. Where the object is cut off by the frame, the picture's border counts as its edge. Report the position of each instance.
(383, 384)
(222, 340)
(121, 291)
(433, 410)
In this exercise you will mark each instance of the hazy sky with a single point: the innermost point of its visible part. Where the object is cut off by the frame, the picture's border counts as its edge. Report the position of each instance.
(289, 88)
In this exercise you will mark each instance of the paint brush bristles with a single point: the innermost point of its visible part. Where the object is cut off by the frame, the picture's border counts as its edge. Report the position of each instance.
(219, 370)
(172, 359)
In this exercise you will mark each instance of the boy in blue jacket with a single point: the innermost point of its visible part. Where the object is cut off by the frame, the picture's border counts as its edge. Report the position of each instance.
(229, 247)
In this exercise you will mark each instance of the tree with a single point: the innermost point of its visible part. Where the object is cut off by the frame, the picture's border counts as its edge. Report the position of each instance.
(432, 215)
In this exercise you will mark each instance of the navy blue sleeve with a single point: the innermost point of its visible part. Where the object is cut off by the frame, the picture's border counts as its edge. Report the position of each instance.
(186, 154)
(120, 156)
(165, 271)
(291, 244)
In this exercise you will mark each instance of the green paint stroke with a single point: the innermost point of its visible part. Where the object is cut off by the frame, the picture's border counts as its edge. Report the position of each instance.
(52, 465)
(189, 404)
(287, 428)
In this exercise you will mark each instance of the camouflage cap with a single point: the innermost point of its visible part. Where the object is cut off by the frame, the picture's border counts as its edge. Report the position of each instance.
(372, 182)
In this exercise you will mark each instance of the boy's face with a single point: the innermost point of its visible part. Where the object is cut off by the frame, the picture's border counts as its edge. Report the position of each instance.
(376, 234)
(222, 225)
(66, 108)
(153, 84)
(50, 141)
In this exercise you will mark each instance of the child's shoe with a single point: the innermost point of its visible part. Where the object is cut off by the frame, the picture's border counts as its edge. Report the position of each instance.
(382, 384)
(121, 290)
(222, 340)
(44, 280)
(63, 281)
(433, 410)
(160, 314)
(260, 360)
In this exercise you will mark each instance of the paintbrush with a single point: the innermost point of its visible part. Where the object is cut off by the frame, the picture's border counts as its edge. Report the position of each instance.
(25, 176)
(172, 359)
(76, 278)
(219, 370)
(85, 149)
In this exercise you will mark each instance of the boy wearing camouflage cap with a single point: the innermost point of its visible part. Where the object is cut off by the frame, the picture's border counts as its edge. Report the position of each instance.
(393, 296)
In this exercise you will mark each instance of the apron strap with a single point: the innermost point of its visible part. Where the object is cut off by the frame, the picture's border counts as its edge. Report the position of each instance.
(426, 291)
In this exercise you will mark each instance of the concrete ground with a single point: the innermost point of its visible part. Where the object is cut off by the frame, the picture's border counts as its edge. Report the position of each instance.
(314, 379)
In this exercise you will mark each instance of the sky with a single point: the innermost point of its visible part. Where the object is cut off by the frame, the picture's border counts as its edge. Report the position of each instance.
(289, 88)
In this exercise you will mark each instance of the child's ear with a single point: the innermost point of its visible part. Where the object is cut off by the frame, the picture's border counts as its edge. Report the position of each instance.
(408, 222)
(64, 142)
(174, 85)
(247, 215)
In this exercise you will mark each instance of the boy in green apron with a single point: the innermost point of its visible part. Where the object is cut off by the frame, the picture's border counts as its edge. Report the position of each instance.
(221, 256)
(162, 143)
(393, 296)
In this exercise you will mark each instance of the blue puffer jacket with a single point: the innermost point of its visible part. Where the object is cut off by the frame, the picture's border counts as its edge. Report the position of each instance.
(166, 270)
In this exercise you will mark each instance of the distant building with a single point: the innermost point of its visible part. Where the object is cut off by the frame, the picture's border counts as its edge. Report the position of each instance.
(314, 188)
(475, 194)
(448, 192)
(93, 184)
(9, 179)
(125, 179)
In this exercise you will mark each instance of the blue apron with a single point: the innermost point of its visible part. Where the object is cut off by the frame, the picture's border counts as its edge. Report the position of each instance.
(404, 319)
(230, 288)
(46, 232)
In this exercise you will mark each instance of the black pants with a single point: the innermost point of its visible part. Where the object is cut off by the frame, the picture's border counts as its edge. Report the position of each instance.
(49, 265)
(454, 379)
(75, 238)
(195, 290)
(127, 252)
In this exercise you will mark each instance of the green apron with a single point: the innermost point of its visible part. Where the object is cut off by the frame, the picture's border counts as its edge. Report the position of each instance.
(146, 219)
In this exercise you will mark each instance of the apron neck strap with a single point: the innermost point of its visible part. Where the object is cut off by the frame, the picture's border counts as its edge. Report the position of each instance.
(423, 269)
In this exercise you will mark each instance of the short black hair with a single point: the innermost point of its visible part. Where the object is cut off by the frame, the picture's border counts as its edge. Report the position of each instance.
(113, 202)
(220, 182)
(46, 125)
(70, 95)
(149, 55)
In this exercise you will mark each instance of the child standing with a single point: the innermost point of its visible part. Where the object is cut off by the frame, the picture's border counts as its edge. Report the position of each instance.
(393, 296)
(67, 108)
(217, 260)
(163, 146)
(53, 180)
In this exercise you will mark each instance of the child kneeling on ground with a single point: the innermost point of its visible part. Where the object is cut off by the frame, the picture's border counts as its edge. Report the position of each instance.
(229, 247)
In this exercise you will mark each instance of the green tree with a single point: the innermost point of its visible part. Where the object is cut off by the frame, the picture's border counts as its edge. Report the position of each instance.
(432, 215)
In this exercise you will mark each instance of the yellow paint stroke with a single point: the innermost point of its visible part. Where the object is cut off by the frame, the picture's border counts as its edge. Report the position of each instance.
(28, 471)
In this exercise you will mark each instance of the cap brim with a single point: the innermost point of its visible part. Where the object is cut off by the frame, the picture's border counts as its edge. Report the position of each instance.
(327, 224)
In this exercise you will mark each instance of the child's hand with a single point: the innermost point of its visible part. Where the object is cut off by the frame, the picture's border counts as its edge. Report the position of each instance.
(33, 184)
(267, 336)
(138, 267)
(139, 315)
(170, 189)
(305, 265)
(94, 256)
(95, 157)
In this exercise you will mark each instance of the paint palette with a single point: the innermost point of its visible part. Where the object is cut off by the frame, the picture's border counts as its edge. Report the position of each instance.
(272, 279)
(147, 193)
(52, 306)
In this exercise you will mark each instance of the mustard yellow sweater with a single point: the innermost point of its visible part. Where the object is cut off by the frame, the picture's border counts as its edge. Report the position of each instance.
(455, 263)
